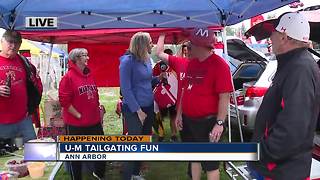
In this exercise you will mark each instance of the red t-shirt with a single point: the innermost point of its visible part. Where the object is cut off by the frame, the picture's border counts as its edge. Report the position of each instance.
(203, 83)
(14, 108)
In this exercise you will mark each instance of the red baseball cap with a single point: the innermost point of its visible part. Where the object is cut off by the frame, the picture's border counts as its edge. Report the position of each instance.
(203, 37)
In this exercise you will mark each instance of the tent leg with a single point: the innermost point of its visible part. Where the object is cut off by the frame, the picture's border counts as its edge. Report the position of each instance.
(47, 85)
(233, 171)
(224, 38)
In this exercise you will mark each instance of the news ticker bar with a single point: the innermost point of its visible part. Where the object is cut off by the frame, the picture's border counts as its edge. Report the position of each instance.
(141, 151)
(103, 138)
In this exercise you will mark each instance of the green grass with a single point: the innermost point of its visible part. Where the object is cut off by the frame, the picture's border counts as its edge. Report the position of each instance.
(113, 126)
(156, 170)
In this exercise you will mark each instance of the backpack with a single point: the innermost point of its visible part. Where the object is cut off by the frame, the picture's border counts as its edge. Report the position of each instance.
(34, 86)
(163, 97)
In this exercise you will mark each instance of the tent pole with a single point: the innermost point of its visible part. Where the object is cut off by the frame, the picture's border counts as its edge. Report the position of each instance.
(47, 75)
(228, 166)
(224, 39)
(225, 49)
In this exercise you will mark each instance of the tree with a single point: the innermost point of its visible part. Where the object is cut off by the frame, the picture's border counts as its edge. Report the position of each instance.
(271, 16)
(230, 31)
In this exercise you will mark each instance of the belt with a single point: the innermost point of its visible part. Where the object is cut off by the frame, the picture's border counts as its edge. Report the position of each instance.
(203, 117)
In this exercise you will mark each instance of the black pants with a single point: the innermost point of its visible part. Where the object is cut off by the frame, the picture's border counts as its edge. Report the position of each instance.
(76, 166)
(136, 128)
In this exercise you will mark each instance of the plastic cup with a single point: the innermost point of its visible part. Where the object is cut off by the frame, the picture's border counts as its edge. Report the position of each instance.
(36, 169)
(18, 142)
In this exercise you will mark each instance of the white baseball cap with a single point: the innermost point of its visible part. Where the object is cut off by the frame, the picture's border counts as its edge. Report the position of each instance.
(295, 25)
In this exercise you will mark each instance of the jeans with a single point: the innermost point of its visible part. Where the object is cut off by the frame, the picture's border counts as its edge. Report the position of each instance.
(135, 127)
(23, 128)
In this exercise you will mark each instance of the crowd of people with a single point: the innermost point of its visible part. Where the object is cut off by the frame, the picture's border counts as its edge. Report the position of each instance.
(197, 83)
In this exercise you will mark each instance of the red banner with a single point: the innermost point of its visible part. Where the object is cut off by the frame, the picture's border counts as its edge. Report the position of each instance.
(103, 62)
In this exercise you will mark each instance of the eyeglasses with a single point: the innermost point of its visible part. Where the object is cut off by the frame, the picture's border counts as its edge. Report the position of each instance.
(84, 55)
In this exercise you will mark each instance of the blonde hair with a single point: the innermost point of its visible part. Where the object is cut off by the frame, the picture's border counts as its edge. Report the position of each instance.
(139, 45)
(75, 53)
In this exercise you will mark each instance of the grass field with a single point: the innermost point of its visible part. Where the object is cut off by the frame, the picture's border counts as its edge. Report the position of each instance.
(113, 126)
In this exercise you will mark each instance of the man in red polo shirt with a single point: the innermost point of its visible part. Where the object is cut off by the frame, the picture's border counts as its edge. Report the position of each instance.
(205, 96)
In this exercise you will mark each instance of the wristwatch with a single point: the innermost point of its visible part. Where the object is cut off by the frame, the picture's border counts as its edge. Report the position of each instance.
(220, 122)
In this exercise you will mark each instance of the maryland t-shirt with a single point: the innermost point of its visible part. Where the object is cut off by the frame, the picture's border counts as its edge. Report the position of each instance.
(14, 108)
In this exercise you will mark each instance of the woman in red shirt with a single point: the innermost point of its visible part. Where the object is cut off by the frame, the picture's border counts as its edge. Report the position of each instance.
(79, 98)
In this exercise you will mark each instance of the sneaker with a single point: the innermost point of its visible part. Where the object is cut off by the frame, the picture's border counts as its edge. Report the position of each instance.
(137, 177)
(160, 139)
(174, 139)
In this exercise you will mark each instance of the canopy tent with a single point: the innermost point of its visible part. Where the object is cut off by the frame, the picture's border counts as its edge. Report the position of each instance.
(45, 47)
(107, 36)
(34, 15)
(97, 14)
(36, 48)
(114, 21)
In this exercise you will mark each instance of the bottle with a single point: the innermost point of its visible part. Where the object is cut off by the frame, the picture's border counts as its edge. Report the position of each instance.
(8, 81)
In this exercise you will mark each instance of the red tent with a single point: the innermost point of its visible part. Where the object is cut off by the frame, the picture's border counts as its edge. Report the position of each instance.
(105, 46)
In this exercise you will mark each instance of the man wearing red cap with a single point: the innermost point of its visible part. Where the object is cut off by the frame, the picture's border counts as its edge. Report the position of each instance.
(205, 93)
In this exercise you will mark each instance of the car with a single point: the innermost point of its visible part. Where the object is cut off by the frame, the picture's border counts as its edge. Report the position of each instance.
(239, 52)
(251, 80)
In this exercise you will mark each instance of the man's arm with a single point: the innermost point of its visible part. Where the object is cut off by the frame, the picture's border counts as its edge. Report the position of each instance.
(223, 88)
(223, 105)
(160, 48)
(66, 96)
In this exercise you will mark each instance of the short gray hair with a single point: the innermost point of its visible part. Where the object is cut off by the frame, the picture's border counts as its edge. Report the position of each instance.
(75, 53)
(12, 36)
